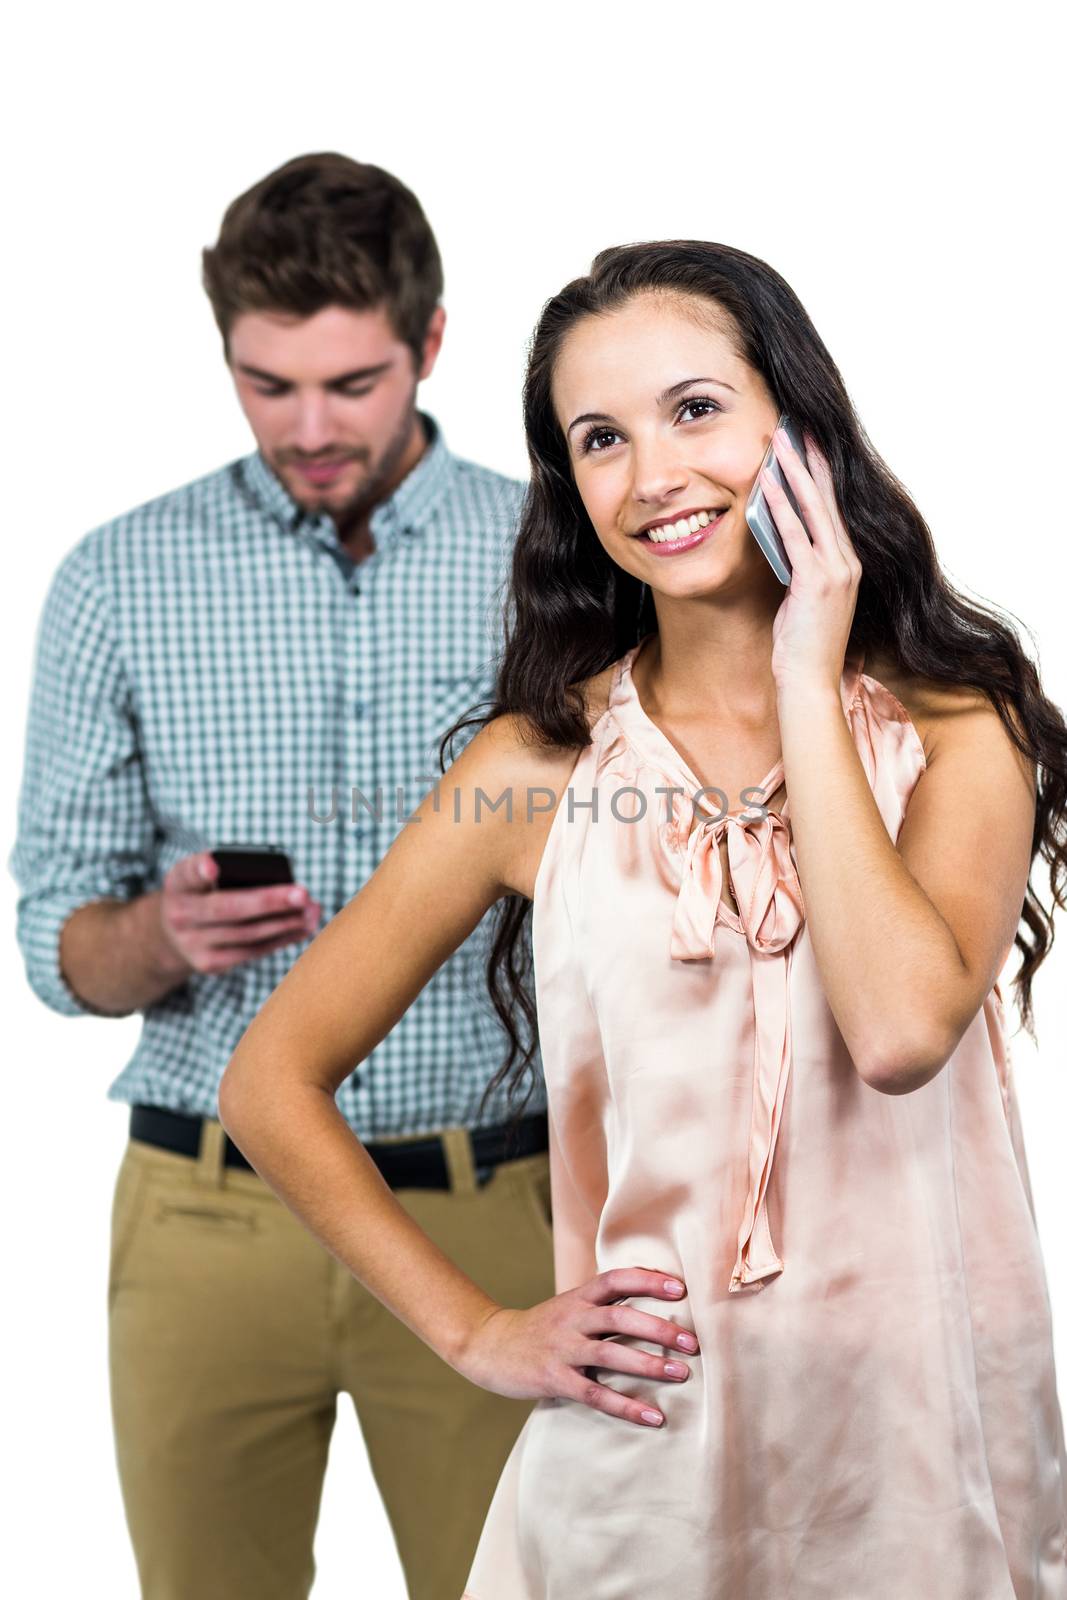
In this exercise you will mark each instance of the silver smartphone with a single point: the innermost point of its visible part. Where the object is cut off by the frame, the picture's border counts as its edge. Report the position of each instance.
(758, 512)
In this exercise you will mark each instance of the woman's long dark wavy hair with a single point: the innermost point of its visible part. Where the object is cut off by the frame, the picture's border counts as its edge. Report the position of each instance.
(571, 612)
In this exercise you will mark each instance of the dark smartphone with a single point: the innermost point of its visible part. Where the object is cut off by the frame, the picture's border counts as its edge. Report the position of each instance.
(251, 866)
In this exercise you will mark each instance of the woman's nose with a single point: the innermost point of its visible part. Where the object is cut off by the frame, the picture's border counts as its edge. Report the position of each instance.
(657, 474)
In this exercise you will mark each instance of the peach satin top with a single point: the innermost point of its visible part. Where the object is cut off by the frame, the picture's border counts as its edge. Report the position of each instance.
(873, 1414)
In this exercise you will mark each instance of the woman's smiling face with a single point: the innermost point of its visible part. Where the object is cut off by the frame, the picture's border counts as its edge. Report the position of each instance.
(664, 419)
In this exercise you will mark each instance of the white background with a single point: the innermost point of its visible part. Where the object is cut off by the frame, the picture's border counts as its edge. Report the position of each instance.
(895, 163)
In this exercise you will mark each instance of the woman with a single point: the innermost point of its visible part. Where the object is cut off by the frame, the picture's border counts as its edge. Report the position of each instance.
(801, 1342)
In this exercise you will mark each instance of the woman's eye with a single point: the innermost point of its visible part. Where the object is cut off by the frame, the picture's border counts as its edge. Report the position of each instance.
(597, 440)
(593, 439)
(703, 405)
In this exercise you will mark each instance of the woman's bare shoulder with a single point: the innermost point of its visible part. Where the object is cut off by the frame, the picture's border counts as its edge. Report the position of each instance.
(511, 747)
(514, 744)
(925, 699)
(944, 714)
(515, 739)
(527, 779)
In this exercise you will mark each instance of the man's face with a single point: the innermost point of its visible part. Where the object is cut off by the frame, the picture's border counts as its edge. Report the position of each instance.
(330, 399)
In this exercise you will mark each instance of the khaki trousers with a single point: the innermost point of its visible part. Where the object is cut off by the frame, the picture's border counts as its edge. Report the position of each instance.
(232, 1331)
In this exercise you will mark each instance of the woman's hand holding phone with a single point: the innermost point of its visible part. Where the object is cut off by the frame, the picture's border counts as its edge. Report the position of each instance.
(813, 624)
(545, 1352)
(212, 930)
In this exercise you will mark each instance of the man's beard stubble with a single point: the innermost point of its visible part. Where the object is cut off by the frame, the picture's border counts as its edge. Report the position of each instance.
(357, 508)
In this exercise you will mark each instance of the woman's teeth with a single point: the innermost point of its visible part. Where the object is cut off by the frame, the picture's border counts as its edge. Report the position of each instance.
(682, 528)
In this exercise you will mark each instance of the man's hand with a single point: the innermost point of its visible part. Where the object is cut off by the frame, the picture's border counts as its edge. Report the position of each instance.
(212, 930)
(121, 956)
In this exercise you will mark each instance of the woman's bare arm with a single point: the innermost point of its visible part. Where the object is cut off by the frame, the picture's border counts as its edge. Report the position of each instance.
(909, 937)
(443, 872)
(338, 1001)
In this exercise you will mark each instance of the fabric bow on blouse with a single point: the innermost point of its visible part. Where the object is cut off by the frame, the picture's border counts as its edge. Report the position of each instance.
(770, 912)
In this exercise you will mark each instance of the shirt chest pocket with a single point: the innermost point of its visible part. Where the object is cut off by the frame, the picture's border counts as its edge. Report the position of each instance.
(450, 698)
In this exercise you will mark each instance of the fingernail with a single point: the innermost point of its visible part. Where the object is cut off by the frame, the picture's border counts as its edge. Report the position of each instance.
(687, 1341)
(296, 897)
(205, 871)
(653, 1418)
(672, 1286)
(676, 1369)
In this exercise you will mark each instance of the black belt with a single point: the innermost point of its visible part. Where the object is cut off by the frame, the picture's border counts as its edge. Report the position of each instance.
(408, 1164)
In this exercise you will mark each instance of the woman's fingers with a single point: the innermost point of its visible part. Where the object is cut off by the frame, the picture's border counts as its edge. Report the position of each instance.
(557, 1348)
(816, 512)
(605, 1355)
(590, 1393)
(610, 1321)
(618, 1282)
(604, 1318)
(794, 535)
(820, 471)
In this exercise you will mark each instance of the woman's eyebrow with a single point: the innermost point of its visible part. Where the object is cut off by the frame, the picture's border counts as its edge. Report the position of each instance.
(590, 416)
(668, 394)
(676, 388)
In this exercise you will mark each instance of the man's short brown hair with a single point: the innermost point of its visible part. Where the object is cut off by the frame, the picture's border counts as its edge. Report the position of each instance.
(325, 230)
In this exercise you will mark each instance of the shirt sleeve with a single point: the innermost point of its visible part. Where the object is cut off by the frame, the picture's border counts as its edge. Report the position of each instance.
(86, 830)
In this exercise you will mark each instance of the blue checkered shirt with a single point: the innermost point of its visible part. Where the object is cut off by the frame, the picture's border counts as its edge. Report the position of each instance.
(211, 668)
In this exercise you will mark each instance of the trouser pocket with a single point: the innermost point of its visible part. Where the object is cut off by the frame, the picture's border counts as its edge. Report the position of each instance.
(127, 1208)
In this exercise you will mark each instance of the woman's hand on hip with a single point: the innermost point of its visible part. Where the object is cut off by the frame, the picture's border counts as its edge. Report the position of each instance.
(545, 1352)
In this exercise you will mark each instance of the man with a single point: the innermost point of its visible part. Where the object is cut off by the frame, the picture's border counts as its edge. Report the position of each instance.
(234, 662)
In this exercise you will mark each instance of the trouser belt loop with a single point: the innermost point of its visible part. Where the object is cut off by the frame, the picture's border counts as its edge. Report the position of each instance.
(210, 1163)
(459, 1159)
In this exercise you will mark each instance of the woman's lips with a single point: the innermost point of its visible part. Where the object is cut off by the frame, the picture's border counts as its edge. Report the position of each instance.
(673, 547)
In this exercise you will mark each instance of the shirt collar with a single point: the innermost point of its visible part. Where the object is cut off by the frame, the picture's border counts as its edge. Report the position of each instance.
(408, 510)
